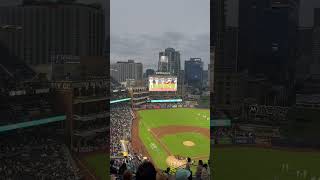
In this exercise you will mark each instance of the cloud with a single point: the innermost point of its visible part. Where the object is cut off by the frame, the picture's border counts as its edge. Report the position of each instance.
(145, 48)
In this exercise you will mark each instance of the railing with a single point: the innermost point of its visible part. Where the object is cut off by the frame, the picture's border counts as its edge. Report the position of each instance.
(90, 117)
(90, 132)
(32, 123)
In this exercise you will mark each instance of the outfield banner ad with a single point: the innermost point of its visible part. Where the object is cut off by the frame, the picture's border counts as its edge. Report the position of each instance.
(162, 83)
(263, 141)
(224, 140)
(244, 140)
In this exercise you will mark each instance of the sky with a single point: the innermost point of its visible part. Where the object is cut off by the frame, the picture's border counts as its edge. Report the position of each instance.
(140, 29)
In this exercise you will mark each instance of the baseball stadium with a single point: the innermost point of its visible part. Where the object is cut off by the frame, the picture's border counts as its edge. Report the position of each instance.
(52, 130)
(267, 142)
(157, 126)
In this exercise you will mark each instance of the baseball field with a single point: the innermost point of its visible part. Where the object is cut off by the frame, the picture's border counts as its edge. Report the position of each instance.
(170, 135)
(265, 164)
(98, 164)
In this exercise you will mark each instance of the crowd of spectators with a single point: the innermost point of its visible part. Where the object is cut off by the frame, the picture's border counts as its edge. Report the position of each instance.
(202, 171)
(120, 169)
(236, 134)
(163, 105)
(36, 153)
(20, 111)
(141, 95)
(117, 91)
(91, 125)
(135, 166)
(99, 142)
(223, 132)
(130, 163)
(121, 117)
(119, 94)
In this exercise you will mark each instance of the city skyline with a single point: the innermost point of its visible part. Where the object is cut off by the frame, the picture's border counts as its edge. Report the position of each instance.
(147, 28)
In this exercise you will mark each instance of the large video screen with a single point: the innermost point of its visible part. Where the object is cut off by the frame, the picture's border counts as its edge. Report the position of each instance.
(162, 83)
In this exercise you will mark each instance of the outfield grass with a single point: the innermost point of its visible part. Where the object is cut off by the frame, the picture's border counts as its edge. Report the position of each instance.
(179, 116)
(166, 117)
(263, 164)
(99, 164)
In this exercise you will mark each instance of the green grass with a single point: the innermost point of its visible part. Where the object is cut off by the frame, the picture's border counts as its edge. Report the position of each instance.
(237, 163)
(99, 164)
(174, 143)
(166, 117)
(178, 116)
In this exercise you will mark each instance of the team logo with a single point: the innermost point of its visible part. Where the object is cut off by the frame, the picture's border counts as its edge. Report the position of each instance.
(253, 109)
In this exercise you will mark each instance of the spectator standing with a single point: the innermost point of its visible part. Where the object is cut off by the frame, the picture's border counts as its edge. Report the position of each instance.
(199, 170)
(127, 175)
(204, 173)
(113, 170)
(145, 171)
(183, 174)
(123, 168)
(188, 167)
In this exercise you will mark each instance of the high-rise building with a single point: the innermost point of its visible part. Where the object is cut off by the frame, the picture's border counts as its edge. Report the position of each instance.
(163, 64)
(316, 42)
(205, 78)
(48, 29)
(123, 71)
(305, 54)
(267, 46)
(193, 70)
(225, 81)
(316, 17)
(169, 61)
(210, 78)
(149, 72)
(309, 59)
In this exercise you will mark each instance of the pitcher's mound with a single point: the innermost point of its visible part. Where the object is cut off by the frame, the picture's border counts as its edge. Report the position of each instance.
(188, 143)
(175, 162)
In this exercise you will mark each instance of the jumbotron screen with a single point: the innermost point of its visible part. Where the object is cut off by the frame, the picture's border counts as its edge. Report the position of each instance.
(162, 83)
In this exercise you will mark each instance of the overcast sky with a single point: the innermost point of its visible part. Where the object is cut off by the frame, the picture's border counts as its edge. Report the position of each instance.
(306, 8)
(140, 29)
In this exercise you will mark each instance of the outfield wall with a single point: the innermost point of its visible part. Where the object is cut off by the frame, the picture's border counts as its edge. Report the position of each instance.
(162, 106)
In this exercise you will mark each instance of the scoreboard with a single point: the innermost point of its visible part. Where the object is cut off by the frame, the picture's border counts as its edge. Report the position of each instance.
(158, 83)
